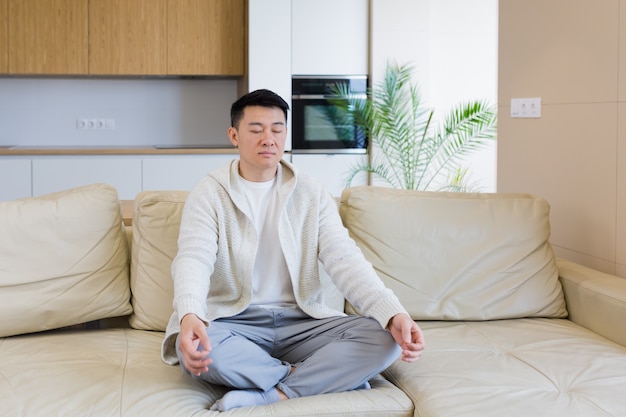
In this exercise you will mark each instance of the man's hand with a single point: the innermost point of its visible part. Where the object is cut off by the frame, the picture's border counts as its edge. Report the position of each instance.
(194, 344)
(408, 335)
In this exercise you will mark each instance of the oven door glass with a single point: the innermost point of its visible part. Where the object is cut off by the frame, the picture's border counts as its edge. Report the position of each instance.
(318, 125)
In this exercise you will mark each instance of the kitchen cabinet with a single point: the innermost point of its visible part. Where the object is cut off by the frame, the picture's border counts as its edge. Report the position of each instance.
(269, 49)
(330, 37)
(205, 37)
(331, 169)
(167, 37)
(4, 36)
(128, 37)
(15, 178)
(52, 174)
(123, 37)
(179, 172)
(129, 174)
(47, 37)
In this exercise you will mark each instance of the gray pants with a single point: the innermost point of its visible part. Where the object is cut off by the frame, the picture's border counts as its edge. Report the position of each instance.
(258, 348)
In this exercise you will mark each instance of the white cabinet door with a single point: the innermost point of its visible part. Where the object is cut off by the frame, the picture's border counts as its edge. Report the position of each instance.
(269, 46)
(331, 169)
(52, 174)
(269, 49)
(179, 172)
(329, 37)
(15, 178)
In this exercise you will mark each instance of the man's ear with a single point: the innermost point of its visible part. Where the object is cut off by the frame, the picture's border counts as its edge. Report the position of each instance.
(233, 136)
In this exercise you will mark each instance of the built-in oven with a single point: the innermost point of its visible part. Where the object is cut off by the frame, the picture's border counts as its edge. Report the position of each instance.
(317, 126)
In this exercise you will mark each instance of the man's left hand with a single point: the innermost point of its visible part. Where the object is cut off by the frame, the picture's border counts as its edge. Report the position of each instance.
(408, 335)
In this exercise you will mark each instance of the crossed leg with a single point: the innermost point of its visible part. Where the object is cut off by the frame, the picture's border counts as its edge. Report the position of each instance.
(273, 354)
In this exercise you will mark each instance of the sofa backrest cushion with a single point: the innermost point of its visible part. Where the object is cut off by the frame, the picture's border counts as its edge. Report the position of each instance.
(156, 222)
(65, 260)
(458, 256)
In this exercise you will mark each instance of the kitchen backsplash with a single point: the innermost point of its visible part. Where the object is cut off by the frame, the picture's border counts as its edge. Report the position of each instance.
(135, 112)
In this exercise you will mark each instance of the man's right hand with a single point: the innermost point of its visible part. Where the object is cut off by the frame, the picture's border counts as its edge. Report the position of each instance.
(194, 344)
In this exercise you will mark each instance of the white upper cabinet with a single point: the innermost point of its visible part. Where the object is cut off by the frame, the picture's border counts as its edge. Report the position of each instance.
(269, 46)
(330, 37)
(269, 49)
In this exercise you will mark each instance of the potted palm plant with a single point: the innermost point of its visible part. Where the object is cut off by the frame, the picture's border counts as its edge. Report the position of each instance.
(408, 148)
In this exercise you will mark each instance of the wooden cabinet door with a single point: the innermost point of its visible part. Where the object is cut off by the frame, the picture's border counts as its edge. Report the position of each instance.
(47, 36)
(206, 37)
(4, 36)
(127, 37)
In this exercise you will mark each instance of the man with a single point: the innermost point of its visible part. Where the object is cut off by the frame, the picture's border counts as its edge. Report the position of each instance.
(249, 311)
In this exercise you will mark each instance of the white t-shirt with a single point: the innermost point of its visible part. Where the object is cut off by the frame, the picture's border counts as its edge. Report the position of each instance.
(271, 284)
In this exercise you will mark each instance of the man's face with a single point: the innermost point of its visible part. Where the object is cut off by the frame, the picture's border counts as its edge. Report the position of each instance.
(260, 137)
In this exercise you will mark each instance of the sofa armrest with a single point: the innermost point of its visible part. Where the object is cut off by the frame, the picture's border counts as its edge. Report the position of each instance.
(595, 300)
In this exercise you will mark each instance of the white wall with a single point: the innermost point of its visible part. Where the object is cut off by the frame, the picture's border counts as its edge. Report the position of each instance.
(453, 45)
(43, 111)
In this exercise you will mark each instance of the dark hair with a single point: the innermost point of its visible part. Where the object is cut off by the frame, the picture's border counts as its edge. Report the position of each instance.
(262, 97)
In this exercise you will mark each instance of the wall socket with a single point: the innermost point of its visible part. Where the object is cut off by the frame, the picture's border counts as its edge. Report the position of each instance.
(526, 108)
(95, 124)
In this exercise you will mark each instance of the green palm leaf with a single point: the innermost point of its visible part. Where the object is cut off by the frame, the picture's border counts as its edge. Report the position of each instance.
(407, 150)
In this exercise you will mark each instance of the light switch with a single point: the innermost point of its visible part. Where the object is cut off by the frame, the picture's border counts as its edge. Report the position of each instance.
(526, 108)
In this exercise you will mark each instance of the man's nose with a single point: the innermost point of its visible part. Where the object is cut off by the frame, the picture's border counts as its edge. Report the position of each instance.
(268, 138)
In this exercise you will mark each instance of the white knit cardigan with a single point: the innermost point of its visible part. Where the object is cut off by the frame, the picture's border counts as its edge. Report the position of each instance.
(217, 246)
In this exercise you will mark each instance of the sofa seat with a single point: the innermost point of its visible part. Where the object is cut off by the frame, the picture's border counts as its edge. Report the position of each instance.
(529, 367)
(119, 372)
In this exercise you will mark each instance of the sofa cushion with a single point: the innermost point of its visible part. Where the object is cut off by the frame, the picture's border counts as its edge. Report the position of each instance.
(65, 260)
(118, 372)
(156, 221)
(514, 368)
(458, 256)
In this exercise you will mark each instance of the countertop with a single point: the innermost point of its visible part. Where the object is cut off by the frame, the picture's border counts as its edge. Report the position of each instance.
(117, 150)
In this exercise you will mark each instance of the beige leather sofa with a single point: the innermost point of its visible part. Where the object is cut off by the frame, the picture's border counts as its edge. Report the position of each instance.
(510, 330)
